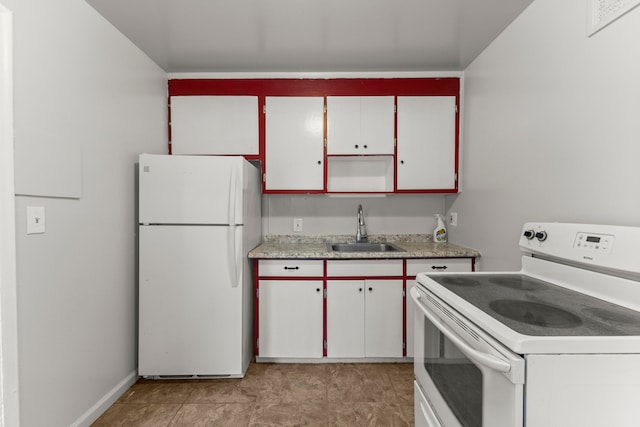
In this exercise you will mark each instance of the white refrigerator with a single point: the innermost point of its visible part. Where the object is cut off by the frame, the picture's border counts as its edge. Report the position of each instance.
(199, 216)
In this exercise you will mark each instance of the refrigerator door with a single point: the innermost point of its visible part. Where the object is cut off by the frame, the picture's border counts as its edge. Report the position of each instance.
(191, 310)
(190, 189)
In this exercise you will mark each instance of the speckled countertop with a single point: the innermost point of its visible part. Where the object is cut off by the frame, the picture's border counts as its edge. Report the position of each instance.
(315, 247)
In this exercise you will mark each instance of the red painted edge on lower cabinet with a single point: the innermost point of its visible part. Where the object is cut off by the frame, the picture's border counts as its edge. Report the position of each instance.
(324, 309)
(404, 307)
(256, 306)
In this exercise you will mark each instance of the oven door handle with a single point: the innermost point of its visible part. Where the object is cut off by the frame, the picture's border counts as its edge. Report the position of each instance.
(485, 359)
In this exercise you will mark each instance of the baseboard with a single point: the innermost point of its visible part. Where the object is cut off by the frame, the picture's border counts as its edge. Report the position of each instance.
(100, 407)
(334, 360)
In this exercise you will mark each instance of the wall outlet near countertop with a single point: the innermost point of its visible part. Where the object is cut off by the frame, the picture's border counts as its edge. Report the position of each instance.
(297, 224)
(453, 218)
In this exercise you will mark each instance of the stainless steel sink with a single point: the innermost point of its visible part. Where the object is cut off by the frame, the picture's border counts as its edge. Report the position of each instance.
(363, 247)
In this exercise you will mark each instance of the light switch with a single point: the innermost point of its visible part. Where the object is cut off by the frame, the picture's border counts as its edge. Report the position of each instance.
(297, 224)
(35, 219)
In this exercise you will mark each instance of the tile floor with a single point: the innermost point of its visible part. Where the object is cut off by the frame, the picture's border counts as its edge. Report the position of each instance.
(376, 394)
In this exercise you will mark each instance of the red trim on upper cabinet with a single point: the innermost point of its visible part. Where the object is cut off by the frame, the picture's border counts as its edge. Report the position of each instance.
(395, 144)
(169, 124)
(317, 87)
(325, 159)
(457, 147)
(262, 132)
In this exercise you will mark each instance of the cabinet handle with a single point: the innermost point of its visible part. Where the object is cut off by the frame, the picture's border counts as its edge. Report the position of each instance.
(319, 162)
(291, 268)
(356, 145)
(370, 289)
(317, 289)
(359, 289)
(402, 162)
(439, 267)
(365, 147)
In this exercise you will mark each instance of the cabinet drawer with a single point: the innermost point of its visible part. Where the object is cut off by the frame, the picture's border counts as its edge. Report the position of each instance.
(380, 267)
(290, 267)
(415, 266)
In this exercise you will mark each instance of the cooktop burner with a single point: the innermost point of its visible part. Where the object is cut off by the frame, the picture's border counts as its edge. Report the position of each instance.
(534, 313)
(535, 307)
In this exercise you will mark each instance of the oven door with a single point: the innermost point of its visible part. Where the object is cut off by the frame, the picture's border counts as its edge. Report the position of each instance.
(466, 377)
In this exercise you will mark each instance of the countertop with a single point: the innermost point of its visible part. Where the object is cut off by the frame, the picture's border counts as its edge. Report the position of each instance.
(315, 247)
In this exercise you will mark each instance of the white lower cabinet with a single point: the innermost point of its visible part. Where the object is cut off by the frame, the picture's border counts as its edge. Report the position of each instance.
(365, 306)
(290, 317)
(345, 318)
(383, 318)
(364, 318)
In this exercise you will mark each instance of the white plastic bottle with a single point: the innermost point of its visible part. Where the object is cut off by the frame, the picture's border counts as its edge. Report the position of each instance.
(440, 232)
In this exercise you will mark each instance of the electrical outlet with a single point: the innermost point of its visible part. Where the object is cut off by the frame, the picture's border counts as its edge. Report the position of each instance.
(35, 219)
(453, 218)
(297, 224)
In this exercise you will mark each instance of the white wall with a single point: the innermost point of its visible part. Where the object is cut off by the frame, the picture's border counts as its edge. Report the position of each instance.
(321, 214)
(79, 83)
(551, 129)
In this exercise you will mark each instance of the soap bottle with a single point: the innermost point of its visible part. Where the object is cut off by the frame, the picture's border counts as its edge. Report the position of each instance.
(440, 232)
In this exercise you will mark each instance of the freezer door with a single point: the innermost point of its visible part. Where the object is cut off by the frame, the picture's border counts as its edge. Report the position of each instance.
(190, 189)
(191, 311)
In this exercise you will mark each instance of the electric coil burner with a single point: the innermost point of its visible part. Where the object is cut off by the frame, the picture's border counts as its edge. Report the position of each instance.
(533, 313)
(554, 344)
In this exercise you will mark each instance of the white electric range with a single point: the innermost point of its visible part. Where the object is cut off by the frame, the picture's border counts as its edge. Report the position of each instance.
(554, 344)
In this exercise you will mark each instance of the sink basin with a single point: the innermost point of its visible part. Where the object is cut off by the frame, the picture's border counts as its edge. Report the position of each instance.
(363, 247)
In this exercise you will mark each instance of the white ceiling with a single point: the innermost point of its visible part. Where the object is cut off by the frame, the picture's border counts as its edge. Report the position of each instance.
(311, 35)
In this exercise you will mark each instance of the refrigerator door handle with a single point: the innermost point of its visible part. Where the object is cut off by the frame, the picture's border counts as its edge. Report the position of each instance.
(233, 183)
(233, 256)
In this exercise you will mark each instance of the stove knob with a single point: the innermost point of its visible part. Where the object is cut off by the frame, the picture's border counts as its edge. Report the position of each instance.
(541, 235)
(529, 234)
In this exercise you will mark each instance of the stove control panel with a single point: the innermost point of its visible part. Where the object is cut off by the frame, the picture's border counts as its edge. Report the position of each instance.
(594, 242)
(608, 247)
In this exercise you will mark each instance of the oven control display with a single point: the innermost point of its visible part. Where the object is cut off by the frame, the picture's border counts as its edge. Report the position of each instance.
(601, 243)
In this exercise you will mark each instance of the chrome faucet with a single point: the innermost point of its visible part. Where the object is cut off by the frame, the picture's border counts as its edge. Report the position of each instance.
(361, 230)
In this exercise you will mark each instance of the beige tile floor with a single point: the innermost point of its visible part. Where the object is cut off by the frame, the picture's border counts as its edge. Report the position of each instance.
(274, 395)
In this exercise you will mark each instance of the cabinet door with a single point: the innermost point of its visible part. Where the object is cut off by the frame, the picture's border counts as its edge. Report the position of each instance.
(345, 318)
(426, 142)
(360, 124)
(383, 318)
(214, 125)
(294, 152)
(290, 318)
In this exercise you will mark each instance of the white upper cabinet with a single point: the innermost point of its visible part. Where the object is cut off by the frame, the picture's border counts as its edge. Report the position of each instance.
(426, 143)
(294, 153)
(360, 125)
(214, 125)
